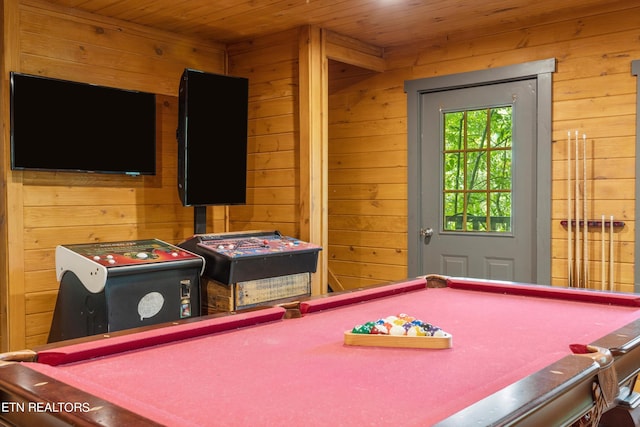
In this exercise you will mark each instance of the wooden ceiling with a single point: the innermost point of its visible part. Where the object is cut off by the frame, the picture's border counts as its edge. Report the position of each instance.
(383, 23)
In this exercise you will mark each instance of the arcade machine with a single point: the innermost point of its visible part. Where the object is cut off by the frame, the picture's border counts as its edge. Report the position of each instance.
(249, 269)
(106, 287)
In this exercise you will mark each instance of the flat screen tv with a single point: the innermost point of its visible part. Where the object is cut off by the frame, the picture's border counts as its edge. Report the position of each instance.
(212, 139)
(60, 125)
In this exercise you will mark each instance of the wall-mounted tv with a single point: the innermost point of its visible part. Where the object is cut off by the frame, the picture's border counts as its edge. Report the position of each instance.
(212, 139)
(60, 125)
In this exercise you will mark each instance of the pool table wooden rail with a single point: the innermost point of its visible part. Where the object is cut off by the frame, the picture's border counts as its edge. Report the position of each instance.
(573, 399)
(562, 393)
(23, 386)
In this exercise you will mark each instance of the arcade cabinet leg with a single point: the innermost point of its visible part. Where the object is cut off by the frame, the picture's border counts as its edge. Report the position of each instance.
(199, 219)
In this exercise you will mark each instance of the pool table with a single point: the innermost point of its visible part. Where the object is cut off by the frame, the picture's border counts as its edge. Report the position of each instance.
(510, 363)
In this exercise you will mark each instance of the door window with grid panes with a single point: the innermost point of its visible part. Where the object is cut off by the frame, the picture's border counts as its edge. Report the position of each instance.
(477, 173)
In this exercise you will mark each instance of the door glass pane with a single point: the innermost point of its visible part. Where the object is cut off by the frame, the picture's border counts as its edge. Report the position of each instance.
(477, 170)
(454, 163)
(501, 170)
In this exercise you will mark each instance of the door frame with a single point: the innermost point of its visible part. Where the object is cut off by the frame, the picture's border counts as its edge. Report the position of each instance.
(541, 71)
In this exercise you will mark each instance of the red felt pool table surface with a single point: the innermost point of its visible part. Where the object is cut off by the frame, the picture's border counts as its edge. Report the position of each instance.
(297, 370)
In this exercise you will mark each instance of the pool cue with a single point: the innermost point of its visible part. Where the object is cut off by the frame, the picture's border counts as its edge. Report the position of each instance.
(611, 263)
(569, 207)
(577, 207)
(585, 228)
(602, 254)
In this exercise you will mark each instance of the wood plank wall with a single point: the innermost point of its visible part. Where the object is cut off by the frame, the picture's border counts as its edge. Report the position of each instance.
(593, 92)
(65, 208)
(271, 66)
(367, 176)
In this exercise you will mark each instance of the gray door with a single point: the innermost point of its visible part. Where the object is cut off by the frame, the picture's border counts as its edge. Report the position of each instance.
(478, 181)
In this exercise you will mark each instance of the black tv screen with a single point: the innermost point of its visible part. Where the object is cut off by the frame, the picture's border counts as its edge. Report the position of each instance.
(212, 139)
(68, 126)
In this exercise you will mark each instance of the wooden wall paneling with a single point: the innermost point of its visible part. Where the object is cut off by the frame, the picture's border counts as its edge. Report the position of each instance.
(313, 81)
(374, 255)
(272, 177)
(332, 53)
(387, 208)
(370, 223)
(371, 105)
(353, 52)
(122, 54)
(367, 167)
(379, 240)
(366, 273)
(593, 107)
(595, 96)
(345, 75)
(358, 191)
(344, 146)
(38, 323)
(266, 58)
(621, 270)
(389, 159)
(621, 147)
(12, 281)
(624, 237)
(367, 180)
(393, 175)
(511, 46)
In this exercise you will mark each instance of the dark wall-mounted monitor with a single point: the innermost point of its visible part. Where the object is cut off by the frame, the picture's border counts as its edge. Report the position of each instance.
(68, 126)
(212, 139)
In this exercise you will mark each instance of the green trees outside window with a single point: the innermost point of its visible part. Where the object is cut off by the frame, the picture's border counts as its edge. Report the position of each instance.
(477, 182)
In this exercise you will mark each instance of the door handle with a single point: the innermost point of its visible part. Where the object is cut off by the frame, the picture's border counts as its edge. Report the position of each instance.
(426, 232)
